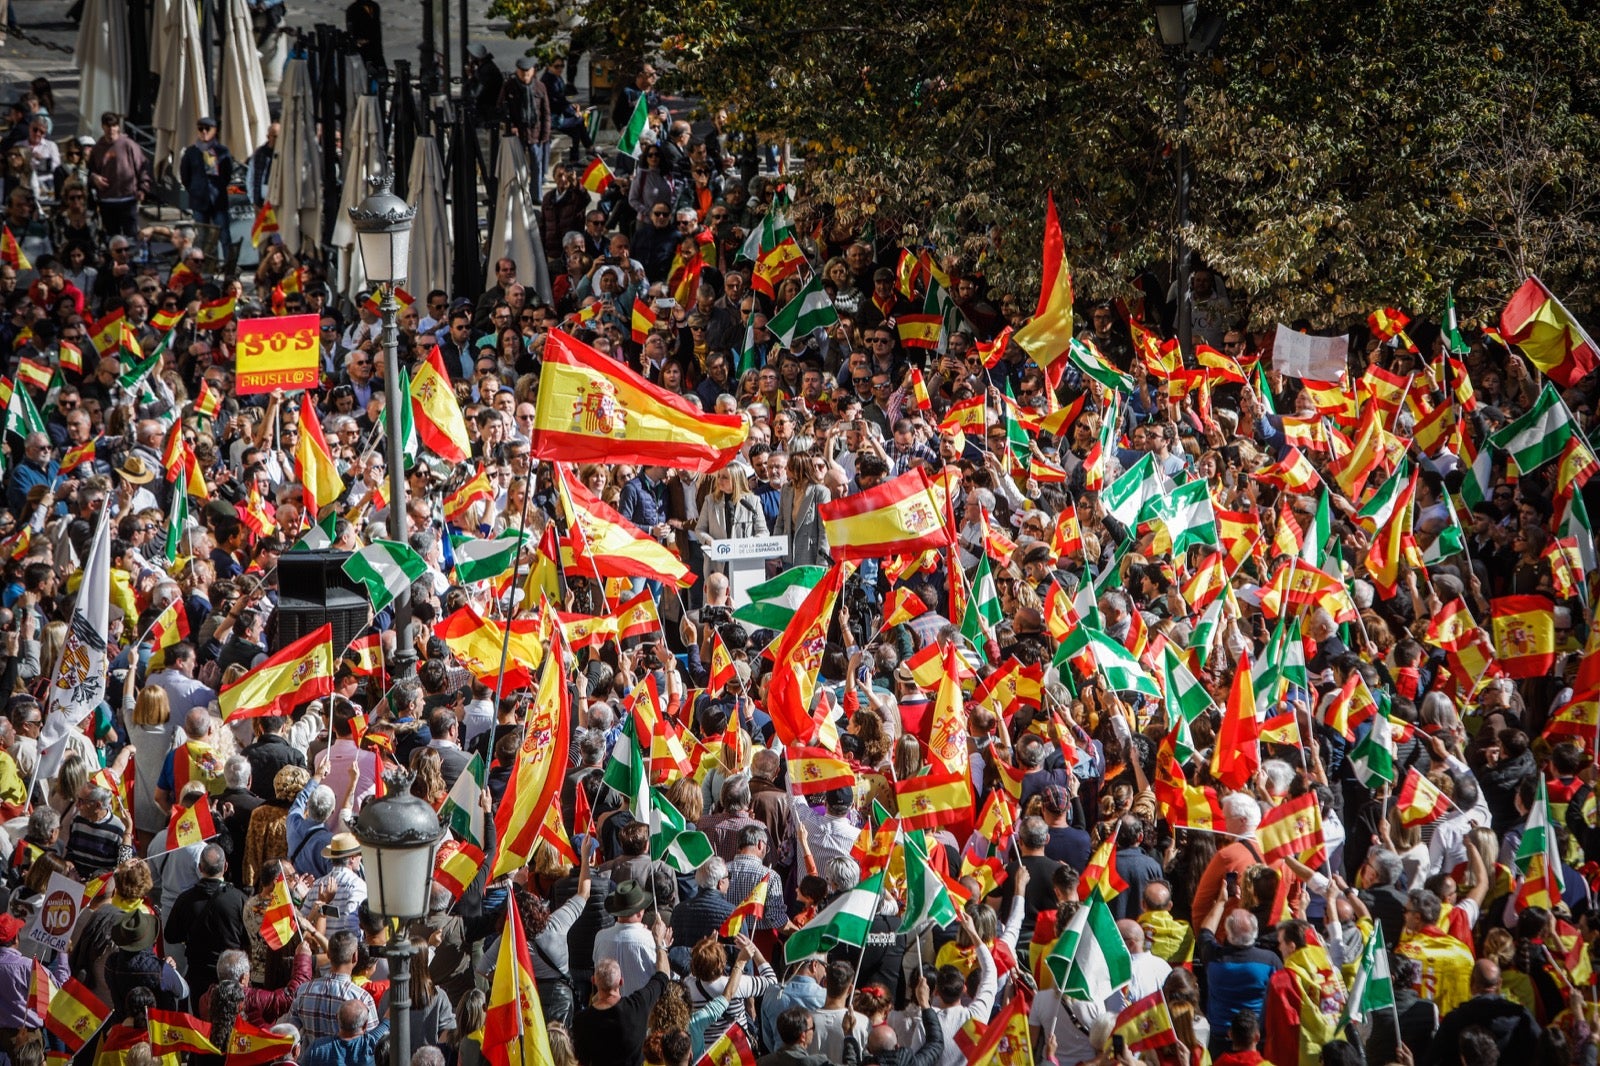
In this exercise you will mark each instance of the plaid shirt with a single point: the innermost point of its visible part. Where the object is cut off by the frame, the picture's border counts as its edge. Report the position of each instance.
(316, 1006)
(743, 873)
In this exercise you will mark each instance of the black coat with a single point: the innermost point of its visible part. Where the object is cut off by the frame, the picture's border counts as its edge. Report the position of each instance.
(1512, 1027)
(208, 919)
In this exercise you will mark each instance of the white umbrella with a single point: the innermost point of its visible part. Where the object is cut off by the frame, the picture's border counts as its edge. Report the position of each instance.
(430, 231)
(244, 115)
(513, 230)
(181, 101)
(294, 185)
(102, 56)
(363, 160)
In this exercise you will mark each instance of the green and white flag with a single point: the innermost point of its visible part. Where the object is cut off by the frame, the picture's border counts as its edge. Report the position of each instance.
(1204, 634)
(1451, 539)
(1538, 859)
(1575, 523)
(485, 558)
(319, 536)
(1090, 961)
(135, 370)
(624, 770)
(1454, 343)
(1318, 530)
(1126, 497)
(386, 568)
(773, 603)
(846, 920)
(630, 143)
(1186, 697)
(177, 522)
(1373, 758)
(811, 309)
(927, 898)
(1096, 366)
(1123, 673)
(1282, 664)
(1372, 988)
(983, 605)
(22, 417)
(671, 838)
(461, 811)
(1187, 514)
(408, 427)
(1538, 436)
(1381, 507)
(748, 356)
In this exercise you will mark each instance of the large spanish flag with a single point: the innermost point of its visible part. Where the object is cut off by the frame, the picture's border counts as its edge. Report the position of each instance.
(1524, 634)
(313, 462)
(513, 1026)
(75, 1014)
(1048, 335)
(593, 409)
(478, 644)
(541, 762)
(172, 1031)
(440, 427)
(601, 543)
(1536, 322)
(895, 518)
(301, 672)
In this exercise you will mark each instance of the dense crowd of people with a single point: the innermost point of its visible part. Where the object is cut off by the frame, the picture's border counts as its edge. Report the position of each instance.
(1085, 789)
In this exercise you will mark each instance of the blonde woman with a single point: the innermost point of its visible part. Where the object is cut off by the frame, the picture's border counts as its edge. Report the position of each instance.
(730, 512)
(798, 509)
(150, 730)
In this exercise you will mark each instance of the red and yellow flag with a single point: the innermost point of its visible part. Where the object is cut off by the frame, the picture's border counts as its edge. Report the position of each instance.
(1419, 800)
(209, 402)
(190, 825)
(753, 907)
(642, 321)
(301, 672)
(1237, 755)
(214, 314)
(1293, 473)
(937, 798)
(313, 462)
(1101, 873)
(592, 408)
(894, 518)
(250, 1045)
(478, 643)
(1524, 634)
(1146, 1024)
(1293, 829)
(266, 222)
(173, 1031)
(478, 489)
(11, 252)
(170, 627)
(513, 1028)
(458, 865)
(541, 761)
(731, 1049)
(1049, 334)
(797, 654)
(440, 427)
(75, 1014)
(597, 176)
(1006, 1041)
(601, 543)
(1535, 321)
(278, 922)
(817, 770)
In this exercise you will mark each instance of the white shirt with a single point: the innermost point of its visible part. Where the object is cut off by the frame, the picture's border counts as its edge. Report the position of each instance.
(184, 693)
(952, 1019)
(634, 948)
(1149, 974)
(1069, 1020)
(1446, 850)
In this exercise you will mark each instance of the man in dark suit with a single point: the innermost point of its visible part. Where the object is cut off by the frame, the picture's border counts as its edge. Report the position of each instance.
(1509, 1023)
(446, 732)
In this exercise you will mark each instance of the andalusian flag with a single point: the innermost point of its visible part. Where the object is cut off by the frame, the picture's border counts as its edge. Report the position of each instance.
(1371, 989)
(591, 408)
(1540, 435)
(1372, 758)
(1536, 858)
(983, 607)
(513, 1026)
(631, 141)
(927, 898)
(483, 559)
(461, 811)
(300, 672)
(811, 309)
(1089, 961)
(177, 523)
(1187, 514)
(846, 920)
(386, 568)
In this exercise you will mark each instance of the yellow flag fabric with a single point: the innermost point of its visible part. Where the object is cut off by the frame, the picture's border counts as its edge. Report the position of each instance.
(440, 426)
(313, 462)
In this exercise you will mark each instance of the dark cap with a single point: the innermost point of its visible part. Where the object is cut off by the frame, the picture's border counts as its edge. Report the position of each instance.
(477, 51)
(207, 123)
(527, 63)
(1056, 799)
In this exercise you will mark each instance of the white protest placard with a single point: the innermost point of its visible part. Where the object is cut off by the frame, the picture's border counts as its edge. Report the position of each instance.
(58, 913)
(1300, 355)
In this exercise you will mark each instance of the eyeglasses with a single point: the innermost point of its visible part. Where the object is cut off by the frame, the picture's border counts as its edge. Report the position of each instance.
(882, 340)
(881, 386)
(659, 214)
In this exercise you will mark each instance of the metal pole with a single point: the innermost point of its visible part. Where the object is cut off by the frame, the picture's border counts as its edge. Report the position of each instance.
(1185, 323)
(466, 39)
(430, 84)
(405, 656)
(399, 955)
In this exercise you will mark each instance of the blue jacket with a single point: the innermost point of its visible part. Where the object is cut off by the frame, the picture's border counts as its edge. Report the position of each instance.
(24, 477)
(336, 1051)
(643, 504)
(1236, 978)
(207, 188)
(798, 992)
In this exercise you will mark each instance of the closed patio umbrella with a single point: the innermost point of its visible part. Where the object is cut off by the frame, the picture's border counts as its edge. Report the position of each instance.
(185, 85)
(244, 115)
(430, 229)
(294, 185)
(513, 229)
(363, 160)
(102, 56)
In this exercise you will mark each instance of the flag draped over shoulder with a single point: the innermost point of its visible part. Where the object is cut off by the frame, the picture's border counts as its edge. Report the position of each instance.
(592, 408)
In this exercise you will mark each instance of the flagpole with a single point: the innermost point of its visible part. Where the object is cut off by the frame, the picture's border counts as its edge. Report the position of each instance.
(877, 901)
(516, 568)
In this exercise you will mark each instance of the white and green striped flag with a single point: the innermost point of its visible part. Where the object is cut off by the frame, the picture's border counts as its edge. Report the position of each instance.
(1186, 697)
(1123, 673)
(773, 603)
(631, 141)
(1282, 664)
(386, 568)
(1538, 436)
(1090, 961)
(1204, 633)
(927, 898)
(1140, 484)
(319, 536)
(624, 770)
(1380, 508)
(1451, 539)
(22, 417)
(177, 522)
(672, 840)
(811, 309)
(846, 920)
(1187, 514)
(1373, 758)
(983, 605)
(408, 426)
(461, 811)
(1454, 343)
(1575, 524)
(485, 558)
(1372, 988)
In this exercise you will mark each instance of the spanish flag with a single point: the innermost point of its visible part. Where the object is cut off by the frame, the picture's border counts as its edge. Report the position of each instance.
(732, 1048)
(183, 275)
(477, 644)
(1293, 473)
(894, 518)
(209, 402)
(266, 222)
(401, 297)
(478, 489)
(1535, 321)
(1576, 720)
(934, 799)
(11, 252)
(1146, 1024)
(214, 314)
(797, 654)
(1296, 586)
(70, 356)
(1293, 829)
(1011, 687)
(106, 334)
(1352, 468)
(1049, 334)
(1453, 626)
(250, 1045)
(173, 1031)
(457, 866)
(79, 454)
(300, 673)
(596, 176)
(540, 763)
(440, 426)
(816, 770)
(900, 606)
(278, 923)
(170, 627)
(164, 320)
(1420, 802)
(1237, 755)
(642, 321)
(313, 462)
(722, 670)
(75, 1014)
(601, 543)
(364, 656)
(190, 825)
(919, 390)
(1524, 634)
(753, 907)
(592, 408)
(1101, 873)
(1005, 1041)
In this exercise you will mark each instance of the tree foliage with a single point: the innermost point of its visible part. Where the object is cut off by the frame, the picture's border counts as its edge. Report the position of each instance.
(1343, 156)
